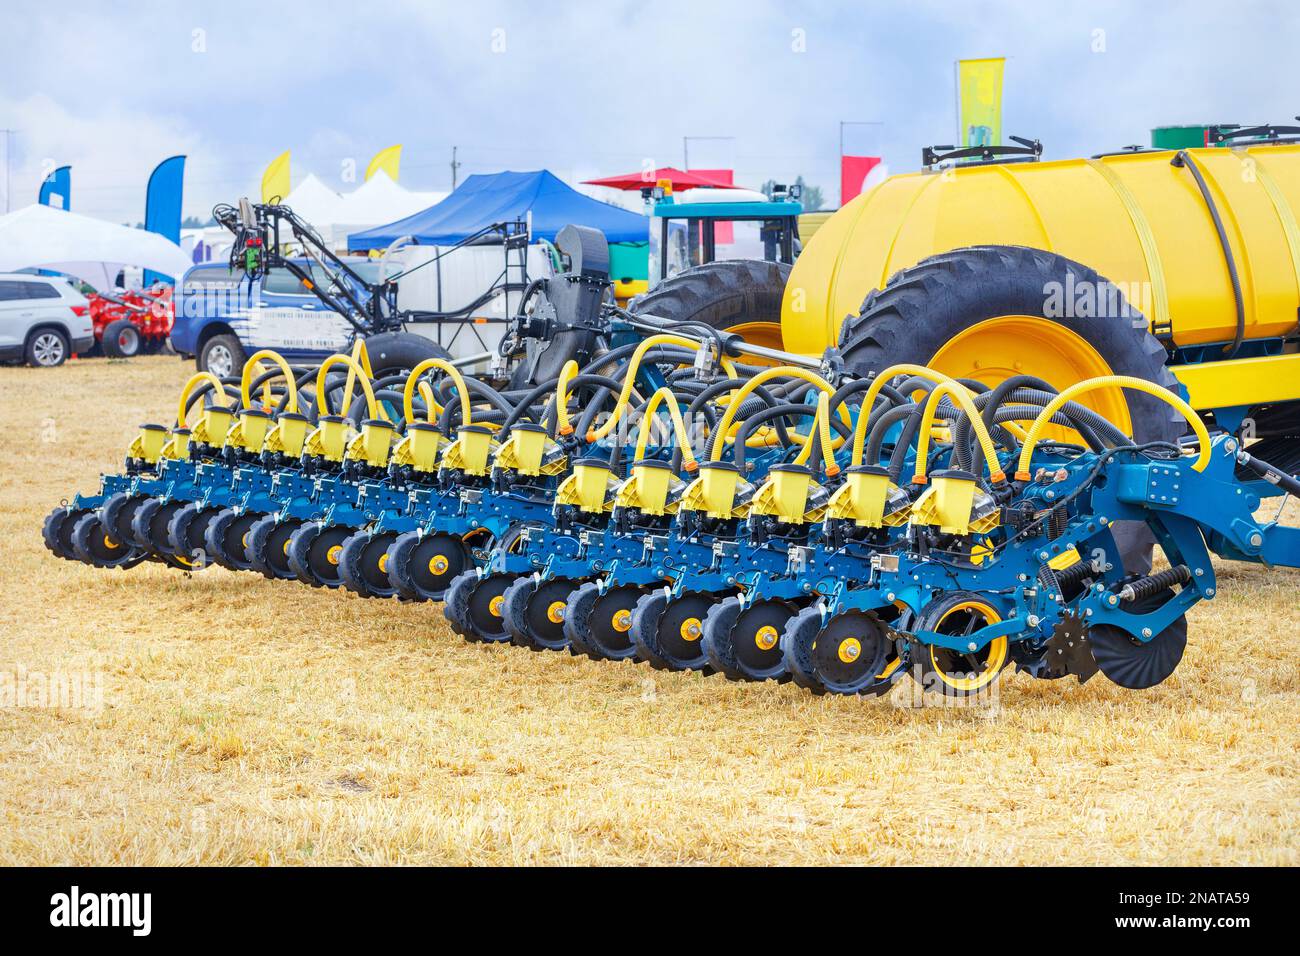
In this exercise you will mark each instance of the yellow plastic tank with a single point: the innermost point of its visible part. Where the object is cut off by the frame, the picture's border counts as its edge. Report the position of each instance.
(1135, 218)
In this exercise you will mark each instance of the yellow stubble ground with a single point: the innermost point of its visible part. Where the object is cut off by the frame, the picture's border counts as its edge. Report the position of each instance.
(248, 721)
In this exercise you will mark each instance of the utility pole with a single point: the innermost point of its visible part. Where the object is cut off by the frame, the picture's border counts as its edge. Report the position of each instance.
(454, 166)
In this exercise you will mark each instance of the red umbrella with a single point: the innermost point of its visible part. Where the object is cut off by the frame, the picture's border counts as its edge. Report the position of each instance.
(680, 179)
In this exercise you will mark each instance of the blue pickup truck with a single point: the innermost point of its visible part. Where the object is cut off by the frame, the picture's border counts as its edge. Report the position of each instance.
(224, 316)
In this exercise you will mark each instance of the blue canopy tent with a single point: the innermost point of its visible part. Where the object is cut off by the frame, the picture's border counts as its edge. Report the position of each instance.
(503, 197)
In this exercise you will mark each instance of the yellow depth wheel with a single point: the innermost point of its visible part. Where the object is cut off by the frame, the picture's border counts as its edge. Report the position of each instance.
(998, 348)
(964, 673)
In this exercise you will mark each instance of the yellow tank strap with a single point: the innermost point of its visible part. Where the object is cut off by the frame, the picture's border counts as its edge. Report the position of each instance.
(1146, 239)
(1280, 205)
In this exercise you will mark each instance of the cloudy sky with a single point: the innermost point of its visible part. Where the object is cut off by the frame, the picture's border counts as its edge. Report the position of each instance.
(593, 88)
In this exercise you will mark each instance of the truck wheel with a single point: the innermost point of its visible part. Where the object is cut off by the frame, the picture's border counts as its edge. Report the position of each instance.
(990, 312)
(736, 295)
(222, 355)
(122, 339)
(397, 350)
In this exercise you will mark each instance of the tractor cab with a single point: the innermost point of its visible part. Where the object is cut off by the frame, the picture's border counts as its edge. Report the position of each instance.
(704, 225)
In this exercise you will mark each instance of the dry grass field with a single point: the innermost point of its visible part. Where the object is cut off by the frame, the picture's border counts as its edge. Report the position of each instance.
(254, 722)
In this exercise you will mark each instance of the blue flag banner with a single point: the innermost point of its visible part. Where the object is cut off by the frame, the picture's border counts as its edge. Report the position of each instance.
(56, 188)
(162, 206)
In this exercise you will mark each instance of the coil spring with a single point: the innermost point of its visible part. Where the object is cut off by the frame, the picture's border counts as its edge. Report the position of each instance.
(1155, 583)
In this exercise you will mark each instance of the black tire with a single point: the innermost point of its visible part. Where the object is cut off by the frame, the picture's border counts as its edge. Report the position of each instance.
(389, 351)
(920, 309)
(535, 612)
(422, 567)
(669, 633)
(117, 513)
(94, 545)
(122, 339)
(268, 546)
(363, 564)
(719, 294)
(187, 532)
(222, 355)
(225, 538)
(315, 551)
(599, 625)
(57, 531)
(47, 347)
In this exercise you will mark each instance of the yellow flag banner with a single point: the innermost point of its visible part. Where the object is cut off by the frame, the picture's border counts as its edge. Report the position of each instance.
(275, 181)
(979, 88)
(388, 160)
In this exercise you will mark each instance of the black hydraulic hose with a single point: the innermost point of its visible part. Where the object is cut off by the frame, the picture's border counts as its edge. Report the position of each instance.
(597, 402)
(880, 427)
(524, 404)
(1183, 158)
(752, 422)
(580, 380)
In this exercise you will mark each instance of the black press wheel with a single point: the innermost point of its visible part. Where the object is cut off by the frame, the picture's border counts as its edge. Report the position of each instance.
(534, 612)
(57, 531)
(93, 544)
(268, 546)
(363, 564)
(187, 532)
(744, 643)
(484, 609)
(669, 633)
(315, 552)
(226, 538)
(603, 621)
(422, 567)
(853, 654)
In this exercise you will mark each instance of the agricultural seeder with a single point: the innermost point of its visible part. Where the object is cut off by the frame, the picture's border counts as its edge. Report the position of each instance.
(636, 488)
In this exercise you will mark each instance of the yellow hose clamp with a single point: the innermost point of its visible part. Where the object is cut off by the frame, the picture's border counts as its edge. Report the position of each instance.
(329, 439)
(373, 443)
(178, 446)
(288, 435)
(249, 433)
(784, 494)
(148, 445)
(213, 425)
(647, 488)
(522, 451)
(469, 452)
(954, 503)
(419, 448)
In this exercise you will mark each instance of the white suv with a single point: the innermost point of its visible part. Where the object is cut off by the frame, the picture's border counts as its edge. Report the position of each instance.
(43, 320)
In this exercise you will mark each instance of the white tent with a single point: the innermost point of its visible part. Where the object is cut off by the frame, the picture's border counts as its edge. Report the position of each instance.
(377, 202)
(91, 249)
(315, 202)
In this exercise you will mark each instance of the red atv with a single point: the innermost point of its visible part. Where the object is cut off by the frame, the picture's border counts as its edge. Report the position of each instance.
(132, 323)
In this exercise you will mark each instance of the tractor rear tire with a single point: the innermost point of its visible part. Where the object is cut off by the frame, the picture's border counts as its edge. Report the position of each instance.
(122, 339)
(921, 310)
(742, 295)
(390, 351)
